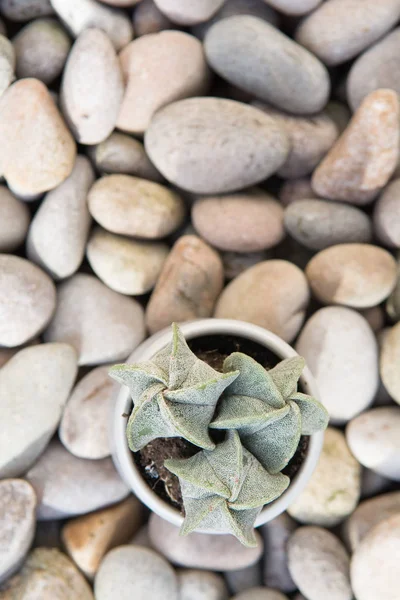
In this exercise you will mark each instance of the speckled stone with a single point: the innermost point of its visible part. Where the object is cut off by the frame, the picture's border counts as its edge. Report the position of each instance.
(389, 362)
(183, 12)
(14, 221)
(387, 215)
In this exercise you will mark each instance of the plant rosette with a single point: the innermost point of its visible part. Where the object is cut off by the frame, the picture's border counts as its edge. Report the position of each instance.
(246, 423)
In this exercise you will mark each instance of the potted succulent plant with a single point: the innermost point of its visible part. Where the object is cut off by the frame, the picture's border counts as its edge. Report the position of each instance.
(210, 429)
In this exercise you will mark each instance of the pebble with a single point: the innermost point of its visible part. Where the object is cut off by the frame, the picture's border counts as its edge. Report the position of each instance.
(122, 154)
(7, 63)
(341, 351)
(27, 300)
(134, 572)
(340, 29)
(248, 145)
(393, 302)
(296, 189)
(84, 427)
(249, 221)
(243, 579)
(60, 228)
(102, 325)
(182, 12)
(141, 538)
(318, 224)
(249, 52)
(201, 550)
(374, 566)
(14, 221)
(201, 585)
(92, 87)
(41, 50)
(237, 262)
(387, 215)
(319, 564)
(389, 362)
(79, 15)
(17, 524)
(260, 593)
(333, 490)
(67, 486)
(159, 69)
(356, 275)
(273, 294)
(375, 317)
(147, 19)
(276, 534)
(25, 10)
(310, 138)
(48, 575)
(188, 286)
(88, 538)
(364, 157)
(25, 104)
(374, 439)
(135, 207)
(127, 266)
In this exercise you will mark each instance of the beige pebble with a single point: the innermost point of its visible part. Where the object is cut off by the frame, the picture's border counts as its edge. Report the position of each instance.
(294, 7)
(188, 286)
(356, 275)
(147, 18)
(201, 585)
(159, 69)
(387, 215)
(14, 221)
(127, 266)
(7, 63)
(296, 189)
(389, 362)
(363, 159)
(184, 12)
(249, 221)
(25, 10)
(135, 207)
(30, 119)
(273, 294)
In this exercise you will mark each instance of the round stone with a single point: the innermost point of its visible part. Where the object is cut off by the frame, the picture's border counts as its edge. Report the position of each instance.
(387, 215)
(25, 10)
(7, 63)
(276, 534)
(248, 145)
(183, 12)
(389, 362)
(147, 18)
(294, 7)
(244, 579)
(14, 221)
(201, 585)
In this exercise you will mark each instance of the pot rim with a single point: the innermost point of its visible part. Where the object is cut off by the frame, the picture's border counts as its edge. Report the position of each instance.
(122, 455)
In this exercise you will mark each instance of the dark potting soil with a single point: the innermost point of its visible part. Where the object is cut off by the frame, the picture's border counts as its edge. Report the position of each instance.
(213, 350)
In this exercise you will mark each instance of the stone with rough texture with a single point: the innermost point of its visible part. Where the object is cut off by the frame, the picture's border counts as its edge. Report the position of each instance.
(189, 12)
(260, 593)
(60, 228)
(296, 189)
(30, 119)
(92, 87)
(147, 18)
(387, 215)
(244, 579)
(374, 439)
(276, 534)
(256, 57)
(35, 385)
(41, 50)
(17, 524)
(102, 325)
(340, 29)
(201, 585)
(374, 565)
(319, 564)
(201, 550)
(188, 286)
(389, 362)
(159, 69)
(134, 572)
(135, 207)
(88, 538)
(364, 157)
(249, 221)
(7, 63)
(248, 145)
(125, 265)
(67, 486)
(355, 275)
(25, 10)
(14, 221)
(273, 294)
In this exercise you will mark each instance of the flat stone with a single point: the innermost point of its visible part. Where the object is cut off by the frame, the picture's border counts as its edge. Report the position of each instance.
(14, 223)
(293, 190)
(241, 580)
(7, 63)
(23, 106)
(188, 286)
(102, 325)
(248, 52)
(25, 10)
(88, 538)
(134, 572)
(189, 13)
(248, 145)
(201, 585)
(67, 486)
(333, 491)
(364, 157)
(374, 439)
(17, 524)
(125, 265)
(201, 550)
(276, 534)
(159, 69)
(116, 203)
(389, 362)
(387, 215)
(260, 593)
(60, 228)
(263, 295)
(147, 18)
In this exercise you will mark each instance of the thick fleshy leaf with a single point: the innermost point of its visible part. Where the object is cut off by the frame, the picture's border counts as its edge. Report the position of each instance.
(237, 411)
(314, 416)
(286, 375)
(227, 461)
(195, 394)
(197, 512)
(138, 377)
(259, 487)
(146, 422)
(242, 525)
(182, 359)
(197, 471)
(189, 421)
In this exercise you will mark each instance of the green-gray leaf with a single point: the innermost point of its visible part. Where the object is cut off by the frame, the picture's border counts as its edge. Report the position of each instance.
(314, 416)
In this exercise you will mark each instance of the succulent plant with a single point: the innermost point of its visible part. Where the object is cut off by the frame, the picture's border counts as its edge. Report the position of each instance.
(225, 489)
(266, 409)
(174, 395)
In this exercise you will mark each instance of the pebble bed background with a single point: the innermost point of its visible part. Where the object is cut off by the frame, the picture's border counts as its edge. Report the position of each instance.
(128, 201)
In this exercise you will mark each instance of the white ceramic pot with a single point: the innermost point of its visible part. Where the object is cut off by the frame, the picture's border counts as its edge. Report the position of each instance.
(123, 457)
